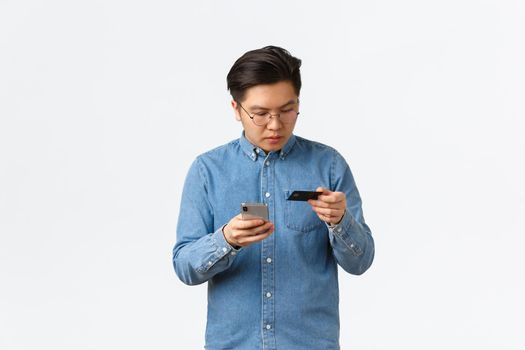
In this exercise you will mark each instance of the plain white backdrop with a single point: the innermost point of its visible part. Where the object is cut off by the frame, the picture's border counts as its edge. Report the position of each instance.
(104, 104)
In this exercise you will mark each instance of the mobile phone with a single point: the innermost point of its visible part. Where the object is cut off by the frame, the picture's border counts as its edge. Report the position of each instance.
(250, 211)
(303, 195)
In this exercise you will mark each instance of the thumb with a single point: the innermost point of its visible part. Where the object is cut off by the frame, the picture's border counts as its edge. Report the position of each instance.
(322, 189)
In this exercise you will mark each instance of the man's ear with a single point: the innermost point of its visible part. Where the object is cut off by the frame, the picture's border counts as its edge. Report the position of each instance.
(236, 110)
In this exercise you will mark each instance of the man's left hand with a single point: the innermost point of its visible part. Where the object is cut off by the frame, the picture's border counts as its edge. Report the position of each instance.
(329, 206)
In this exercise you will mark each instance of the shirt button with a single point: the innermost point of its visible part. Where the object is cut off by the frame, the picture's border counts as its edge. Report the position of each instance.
(268, 295)
(233, 253)
(351, 245)
(267, 163)
(339, 229)
(268, 326)
(268, 260)
(224, 249)
(209, 263)
(267, 194)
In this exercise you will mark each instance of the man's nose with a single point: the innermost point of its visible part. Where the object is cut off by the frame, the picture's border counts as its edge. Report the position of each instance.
(274, 123)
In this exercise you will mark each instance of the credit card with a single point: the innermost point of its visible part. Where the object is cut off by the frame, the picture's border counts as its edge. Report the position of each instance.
(303, 195)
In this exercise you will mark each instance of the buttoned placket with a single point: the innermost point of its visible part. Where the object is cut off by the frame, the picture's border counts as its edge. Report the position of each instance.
(267, 256)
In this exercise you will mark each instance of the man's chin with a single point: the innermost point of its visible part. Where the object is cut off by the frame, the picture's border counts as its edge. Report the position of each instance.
(272, 147)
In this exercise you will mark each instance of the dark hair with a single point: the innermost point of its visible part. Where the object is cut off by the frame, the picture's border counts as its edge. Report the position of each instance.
(268, 65)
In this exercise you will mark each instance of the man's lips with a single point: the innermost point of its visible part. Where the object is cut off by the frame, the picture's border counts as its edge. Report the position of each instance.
(274, 140)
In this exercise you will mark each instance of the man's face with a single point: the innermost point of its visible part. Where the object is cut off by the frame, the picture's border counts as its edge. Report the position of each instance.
(273, 98)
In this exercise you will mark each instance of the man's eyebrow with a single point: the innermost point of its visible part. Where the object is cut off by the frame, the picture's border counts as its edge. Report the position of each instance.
(286, 104)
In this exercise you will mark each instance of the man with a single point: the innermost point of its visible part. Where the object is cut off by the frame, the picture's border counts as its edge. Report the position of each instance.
(274, 284)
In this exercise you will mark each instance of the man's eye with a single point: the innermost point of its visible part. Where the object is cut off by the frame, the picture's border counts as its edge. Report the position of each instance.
(260, 114)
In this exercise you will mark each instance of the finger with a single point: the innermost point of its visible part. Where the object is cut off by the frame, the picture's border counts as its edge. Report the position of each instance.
(331, 198)
(247, 224)
(328, 211)
(260, 229)
(325, 217)
(322, 189)
(319, 204)
(250, 238)
(329, 219)
(255, 238)
(252, 231)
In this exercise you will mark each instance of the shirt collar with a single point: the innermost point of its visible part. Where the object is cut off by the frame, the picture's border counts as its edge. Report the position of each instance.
(287, 147)
(253, 151)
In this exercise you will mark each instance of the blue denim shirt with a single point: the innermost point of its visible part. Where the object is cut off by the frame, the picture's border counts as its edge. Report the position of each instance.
(281, 292)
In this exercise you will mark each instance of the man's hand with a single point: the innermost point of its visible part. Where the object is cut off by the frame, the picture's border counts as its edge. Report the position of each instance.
(239, 232)
(329, 206)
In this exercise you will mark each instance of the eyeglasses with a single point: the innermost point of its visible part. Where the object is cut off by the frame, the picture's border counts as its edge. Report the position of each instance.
(262, 118)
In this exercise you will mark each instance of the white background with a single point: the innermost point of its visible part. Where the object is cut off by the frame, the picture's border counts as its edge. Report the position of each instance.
(104, 104)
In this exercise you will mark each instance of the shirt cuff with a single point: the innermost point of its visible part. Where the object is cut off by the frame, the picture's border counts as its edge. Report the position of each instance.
(344, 231)
(221, 241)
(217, 250)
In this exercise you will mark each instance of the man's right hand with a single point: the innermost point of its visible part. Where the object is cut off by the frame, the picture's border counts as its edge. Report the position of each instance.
(239, 232)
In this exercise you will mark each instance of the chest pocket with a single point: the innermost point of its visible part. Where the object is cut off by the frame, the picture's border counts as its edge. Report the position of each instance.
(299, 216)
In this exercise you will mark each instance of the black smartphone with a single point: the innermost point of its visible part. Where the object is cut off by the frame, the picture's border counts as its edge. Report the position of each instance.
(303, 195)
